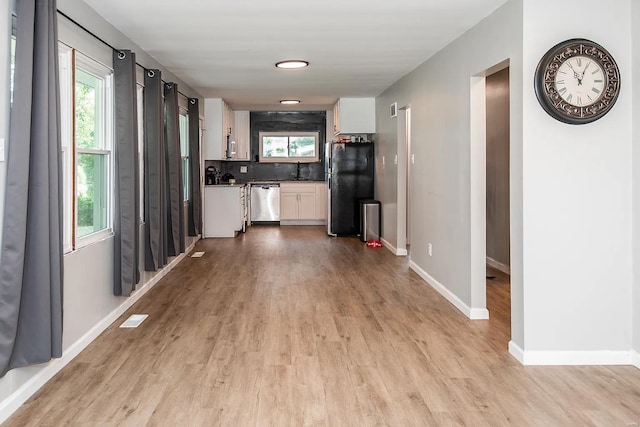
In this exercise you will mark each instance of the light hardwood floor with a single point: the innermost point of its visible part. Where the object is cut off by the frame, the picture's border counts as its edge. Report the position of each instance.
(288, 327)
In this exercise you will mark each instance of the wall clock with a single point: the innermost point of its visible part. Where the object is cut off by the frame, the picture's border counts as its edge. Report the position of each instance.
(577, 81)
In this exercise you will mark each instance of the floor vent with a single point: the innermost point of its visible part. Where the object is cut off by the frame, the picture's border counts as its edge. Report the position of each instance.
(134, 321)
(197, 255)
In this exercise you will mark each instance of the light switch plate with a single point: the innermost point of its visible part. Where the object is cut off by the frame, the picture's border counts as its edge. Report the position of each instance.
(1, 149)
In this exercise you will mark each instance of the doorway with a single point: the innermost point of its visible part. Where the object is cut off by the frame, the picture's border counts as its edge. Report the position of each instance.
(498, 211)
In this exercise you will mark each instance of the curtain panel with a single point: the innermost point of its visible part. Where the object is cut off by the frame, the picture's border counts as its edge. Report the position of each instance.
(31, 265)
(126, 186)
(195, 205)
(174, 190)
(155, 212)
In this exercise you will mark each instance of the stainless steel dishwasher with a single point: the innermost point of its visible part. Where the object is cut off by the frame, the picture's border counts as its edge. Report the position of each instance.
(265, 203)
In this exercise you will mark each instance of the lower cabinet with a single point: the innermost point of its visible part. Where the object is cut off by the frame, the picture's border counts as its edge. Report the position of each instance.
(302, 202)
(224, 210)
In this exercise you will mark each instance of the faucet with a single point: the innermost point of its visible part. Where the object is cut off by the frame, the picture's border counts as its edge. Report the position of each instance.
(298, 171)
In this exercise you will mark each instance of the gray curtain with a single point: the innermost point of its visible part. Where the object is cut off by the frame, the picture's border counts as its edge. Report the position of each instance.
(195, 213)
(31, 258)
(175, 210)
(126, 187)
(155, 212)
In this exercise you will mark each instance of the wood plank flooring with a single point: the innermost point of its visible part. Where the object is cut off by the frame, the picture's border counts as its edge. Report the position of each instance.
(284, 326)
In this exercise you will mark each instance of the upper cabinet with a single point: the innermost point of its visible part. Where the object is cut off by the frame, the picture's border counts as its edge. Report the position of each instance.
(215, 137)
(242, 136)
(226, 131)
(354, 116)
(221, 133)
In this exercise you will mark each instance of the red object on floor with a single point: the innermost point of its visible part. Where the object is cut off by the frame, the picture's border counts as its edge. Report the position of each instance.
(374, 243)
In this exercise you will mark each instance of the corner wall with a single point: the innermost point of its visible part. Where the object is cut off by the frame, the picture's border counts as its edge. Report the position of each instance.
(635, 54)
(439, 94)
(577, 205)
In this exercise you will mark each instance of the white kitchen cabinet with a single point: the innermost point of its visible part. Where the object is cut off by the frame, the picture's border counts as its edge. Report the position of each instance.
(242, 135)
(219, 121)
(354, 116)
(224, 210)
(321, 200)
(288, 205)
(300, 204)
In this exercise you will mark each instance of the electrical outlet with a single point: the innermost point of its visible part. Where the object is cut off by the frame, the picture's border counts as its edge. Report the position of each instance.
(413, 159)
(243, 169)
(395, 160)
(382, 161)
(430, 249)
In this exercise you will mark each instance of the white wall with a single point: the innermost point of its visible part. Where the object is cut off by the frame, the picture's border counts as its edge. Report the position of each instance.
(439, 94)
(577, 188)
(89, 303)
(635, 42)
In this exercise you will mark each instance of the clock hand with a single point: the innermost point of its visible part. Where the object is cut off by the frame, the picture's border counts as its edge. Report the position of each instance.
(575, 74)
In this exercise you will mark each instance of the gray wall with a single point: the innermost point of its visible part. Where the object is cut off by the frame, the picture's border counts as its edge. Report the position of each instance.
(497, 94)
(439, 93)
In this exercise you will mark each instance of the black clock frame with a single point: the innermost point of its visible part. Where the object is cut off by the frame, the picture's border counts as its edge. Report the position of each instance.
(550, 99)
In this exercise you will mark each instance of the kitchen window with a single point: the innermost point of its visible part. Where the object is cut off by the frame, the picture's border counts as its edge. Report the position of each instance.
(289, 147)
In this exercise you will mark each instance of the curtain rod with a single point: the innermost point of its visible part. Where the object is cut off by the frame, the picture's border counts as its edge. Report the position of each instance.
(95, 36)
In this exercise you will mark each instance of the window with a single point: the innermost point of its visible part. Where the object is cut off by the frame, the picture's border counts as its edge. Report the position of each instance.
(12, 71)
(289, 146)
(184, 153)
(93, 140)
(66, 125)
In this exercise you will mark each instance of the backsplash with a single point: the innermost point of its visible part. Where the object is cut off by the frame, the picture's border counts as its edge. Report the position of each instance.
(308, 121)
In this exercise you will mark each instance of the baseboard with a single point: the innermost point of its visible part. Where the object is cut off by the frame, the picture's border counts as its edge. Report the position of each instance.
(516, 351)
(471, 313)
(635, 359)
(572, 358)
(303, 222)
(499, 266)
(11, 404)
(393, 249)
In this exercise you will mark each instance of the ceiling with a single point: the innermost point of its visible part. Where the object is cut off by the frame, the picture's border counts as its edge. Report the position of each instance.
(228, 48)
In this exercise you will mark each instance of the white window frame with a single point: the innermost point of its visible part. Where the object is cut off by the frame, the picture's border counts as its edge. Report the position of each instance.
(65, 57)
(91, 66)
(186, 188)
(264, 159)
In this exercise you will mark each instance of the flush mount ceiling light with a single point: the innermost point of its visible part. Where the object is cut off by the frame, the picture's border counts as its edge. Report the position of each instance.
(290, 101)
(292, 64)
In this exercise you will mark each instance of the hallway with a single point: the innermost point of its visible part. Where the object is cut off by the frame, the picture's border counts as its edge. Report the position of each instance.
(286, 326)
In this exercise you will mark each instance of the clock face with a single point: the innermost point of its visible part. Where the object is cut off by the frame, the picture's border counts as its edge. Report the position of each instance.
(580, 81)
(577, 81)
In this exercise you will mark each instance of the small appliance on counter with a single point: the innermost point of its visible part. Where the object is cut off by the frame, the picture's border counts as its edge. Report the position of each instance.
(211, 176)
(227, 177)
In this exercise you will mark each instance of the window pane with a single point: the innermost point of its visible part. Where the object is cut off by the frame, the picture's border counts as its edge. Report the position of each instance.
(91, 181)
(13, 66)
(302, 146)
(275, 146)
(89, 110)
(185, 178)
(184, 136)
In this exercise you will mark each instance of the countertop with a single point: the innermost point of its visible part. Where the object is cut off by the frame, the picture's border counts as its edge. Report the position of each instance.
(261, 182)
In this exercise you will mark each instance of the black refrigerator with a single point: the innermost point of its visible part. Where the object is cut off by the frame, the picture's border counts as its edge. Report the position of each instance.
(349, 175)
